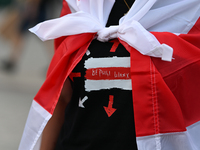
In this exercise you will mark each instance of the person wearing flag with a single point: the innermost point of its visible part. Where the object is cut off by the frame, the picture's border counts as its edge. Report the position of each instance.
(125, 75)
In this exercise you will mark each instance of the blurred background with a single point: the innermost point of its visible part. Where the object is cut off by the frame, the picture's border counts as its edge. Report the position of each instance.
(24, 60)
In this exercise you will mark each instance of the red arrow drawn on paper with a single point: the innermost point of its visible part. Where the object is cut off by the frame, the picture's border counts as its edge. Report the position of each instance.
(115, 45)
(110, 110)
(74, 75)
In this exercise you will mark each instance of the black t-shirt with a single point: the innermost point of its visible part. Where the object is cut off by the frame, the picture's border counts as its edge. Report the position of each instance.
(100, 113)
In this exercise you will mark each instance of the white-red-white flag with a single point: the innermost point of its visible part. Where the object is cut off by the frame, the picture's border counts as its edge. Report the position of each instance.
(165, 96)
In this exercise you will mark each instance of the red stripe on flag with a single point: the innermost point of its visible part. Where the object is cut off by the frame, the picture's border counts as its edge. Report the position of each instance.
(156, 110)
(110, 73)
(65, 10)
(63, 62)
(196, 28)
(182, 74)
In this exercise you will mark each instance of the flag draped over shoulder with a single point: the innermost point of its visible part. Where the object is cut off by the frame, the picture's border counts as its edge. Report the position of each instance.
(165, 87)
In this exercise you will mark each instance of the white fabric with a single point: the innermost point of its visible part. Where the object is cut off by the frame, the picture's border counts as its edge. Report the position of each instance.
(31, 138)
(188, 140)
(91, 17)
(194, 135)
(177, 16)
(167, 141)
(136, 36)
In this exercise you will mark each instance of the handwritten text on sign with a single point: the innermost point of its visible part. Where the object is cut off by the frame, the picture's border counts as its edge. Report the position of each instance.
(110, 73)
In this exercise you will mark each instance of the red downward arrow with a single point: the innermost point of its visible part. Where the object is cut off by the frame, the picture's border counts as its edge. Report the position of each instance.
(110, 110)
(115, 45)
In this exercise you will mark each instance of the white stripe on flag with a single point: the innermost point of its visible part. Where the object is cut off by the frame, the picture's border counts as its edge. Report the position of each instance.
(37, 120)
(188, 140)
(194, 135)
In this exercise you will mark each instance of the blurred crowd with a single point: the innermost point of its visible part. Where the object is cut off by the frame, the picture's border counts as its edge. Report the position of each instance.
(19, 17)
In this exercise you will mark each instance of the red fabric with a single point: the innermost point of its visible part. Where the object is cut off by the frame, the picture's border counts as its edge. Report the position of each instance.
(65, 10)
(66, 56)
(155, 107)
(64, 60)
(182, 74)
(166, 94)
(196, 28)
(165, 97)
